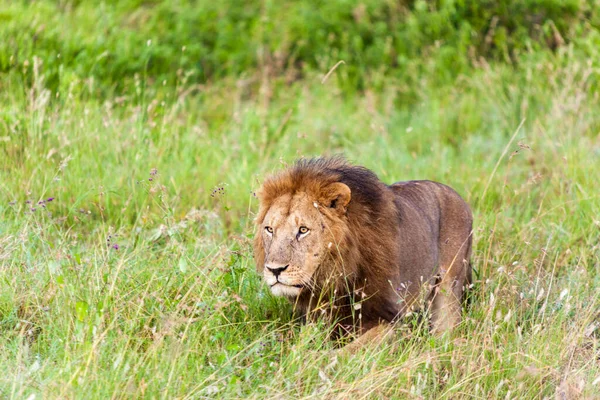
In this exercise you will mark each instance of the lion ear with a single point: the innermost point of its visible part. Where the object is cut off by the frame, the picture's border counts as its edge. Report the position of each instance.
(337, 196)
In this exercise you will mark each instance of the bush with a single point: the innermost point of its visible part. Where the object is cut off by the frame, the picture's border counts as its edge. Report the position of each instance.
(113, 41)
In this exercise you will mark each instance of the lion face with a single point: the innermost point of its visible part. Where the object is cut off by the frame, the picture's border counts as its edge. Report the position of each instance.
(295, 232)
(293, 236)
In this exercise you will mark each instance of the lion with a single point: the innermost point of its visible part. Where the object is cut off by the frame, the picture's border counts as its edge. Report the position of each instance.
(333, 238)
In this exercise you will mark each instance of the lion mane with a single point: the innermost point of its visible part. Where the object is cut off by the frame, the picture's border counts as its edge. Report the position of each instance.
(386, 246)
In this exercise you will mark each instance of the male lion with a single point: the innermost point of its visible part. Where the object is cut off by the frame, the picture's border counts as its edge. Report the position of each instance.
(332, 237)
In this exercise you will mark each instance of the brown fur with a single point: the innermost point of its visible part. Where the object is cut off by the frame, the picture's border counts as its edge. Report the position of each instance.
(372, 250)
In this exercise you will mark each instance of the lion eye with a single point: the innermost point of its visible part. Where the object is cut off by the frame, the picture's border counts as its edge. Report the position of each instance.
(303, 230)
(269, 229)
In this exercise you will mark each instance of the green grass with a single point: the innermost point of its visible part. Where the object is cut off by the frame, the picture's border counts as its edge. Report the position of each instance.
(137, 279)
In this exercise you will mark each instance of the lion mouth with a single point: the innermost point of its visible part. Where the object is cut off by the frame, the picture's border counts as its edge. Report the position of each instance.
(296, 286)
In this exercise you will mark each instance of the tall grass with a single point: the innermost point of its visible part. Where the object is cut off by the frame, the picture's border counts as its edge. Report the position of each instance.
(126, 219)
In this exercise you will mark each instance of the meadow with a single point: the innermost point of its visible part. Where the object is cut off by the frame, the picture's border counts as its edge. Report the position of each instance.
(128, 172)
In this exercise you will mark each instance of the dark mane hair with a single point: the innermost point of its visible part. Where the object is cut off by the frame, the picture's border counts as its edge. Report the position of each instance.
(312, 175)
(366, 187)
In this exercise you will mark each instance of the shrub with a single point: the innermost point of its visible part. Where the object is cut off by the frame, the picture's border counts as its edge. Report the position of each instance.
(113, 41)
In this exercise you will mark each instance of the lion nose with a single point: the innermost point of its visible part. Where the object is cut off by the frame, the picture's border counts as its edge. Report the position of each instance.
(276, 269)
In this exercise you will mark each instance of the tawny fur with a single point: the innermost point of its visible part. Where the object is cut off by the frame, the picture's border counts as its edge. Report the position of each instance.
(375, 249)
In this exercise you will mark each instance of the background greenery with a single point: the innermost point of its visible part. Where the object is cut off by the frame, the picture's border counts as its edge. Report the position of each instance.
(133, 134)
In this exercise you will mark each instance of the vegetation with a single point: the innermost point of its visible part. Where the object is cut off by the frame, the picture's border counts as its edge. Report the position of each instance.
(132, 137)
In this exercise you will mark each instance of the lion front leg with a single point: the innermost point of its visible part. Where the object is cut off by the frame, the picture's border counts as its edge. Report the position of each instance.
(373, 336)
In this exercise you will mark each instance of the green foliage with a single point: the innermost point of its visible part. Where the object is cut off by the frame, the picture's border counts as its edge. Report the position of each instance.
(106, 43)
(137, 277)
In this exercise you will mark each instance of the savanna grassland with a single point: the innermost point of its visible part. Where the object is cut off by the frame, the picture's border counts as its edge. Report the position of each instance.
(133, 135)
